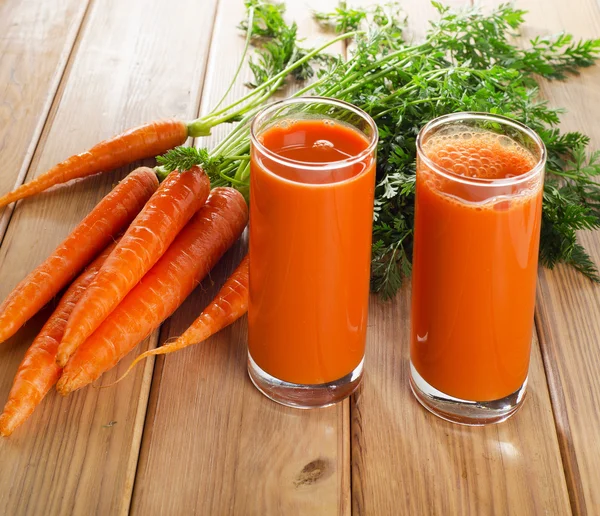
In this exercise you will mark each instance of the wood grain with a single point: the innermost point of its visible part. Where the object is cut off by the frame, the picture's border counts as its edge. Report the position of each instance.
(211, 443)
(568, 305)
(405, 459)
(241, 453)
(36, 42)
(134, 61)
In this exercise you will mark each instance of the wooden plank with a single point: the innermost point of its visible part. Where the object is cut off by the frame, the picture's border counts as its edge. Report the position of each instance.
(419, 15)
(135, 61)
(37, 38)
(405, 459)
(210, 435)
(568, 309)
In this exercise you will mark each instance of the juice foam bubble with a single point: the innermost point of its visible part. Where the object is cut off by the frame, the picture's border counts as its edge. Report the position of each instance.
(482, 155)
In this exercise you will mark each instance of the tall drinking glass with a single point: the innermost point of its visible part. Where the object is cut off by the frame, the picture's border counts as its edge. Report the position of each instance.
(477, 231)
(311, 211)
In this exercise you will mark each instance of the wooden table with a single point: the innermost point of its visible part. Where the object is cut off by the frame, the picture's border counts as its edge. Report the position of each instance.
(189, 433)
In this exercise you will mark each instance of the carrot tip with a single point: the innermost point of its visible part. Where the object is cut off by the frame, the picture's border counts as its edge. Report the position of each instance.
(66, 385)
(5, 427)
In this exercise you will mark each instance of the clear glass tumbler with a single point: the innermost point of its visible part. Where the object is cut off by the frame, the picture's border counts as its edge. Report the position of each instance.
(477, 230)
(311, 212)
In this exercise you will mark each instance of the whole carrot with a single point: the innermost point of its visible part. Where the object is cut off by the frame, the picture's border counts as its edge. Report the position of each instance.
(194, 252)
(90, 237)
(39, 371)
(227, 307)
(146, 240)
(145, 141)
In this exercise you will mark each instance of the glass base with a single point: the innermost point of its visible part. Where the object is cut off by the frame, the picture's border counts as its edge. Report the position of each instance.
(304, 396)
(464, 412)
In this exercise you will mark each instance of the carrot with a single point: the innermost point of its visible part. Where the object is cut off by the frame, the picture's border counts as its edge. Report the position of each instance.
(194, 252)
(146, 240)
(90, 237)
(227, 307)
(39, 371)
(145, 141)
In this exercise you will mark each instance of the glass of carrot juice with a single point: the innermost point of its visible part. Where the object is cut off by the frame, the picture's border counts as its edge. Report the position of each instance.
(477, 230)
(311, 211)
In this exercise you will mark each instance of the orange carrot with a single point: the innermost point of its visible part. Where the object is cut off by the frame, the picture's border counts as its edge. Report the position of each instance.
(92, 235)
(194, 252)
(227, 307)
(39, 371)
(146, 240)
(145, 141)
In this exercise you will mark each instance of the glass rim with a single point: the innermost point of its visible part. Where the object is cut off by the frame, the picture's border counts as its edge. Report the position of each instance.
(479, 181)
(269, 108)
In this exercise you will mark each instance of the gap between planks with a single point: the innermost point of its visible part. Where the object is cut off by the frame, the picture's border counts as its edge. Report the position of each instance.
(561, 421)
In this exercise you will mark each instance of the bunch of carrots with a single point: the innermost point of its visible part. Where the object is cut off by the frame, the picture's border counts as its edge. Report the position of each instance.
(135, 258)
(128, 266)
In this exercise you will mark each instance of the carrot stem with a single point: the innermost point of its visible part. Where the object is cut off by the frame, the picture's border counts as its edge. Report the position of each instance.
(203, 125)
(250, 24)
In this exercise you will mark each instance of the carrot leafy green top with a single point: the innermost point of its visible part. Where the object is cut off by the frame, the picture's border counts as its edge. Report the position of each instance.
(468, 61)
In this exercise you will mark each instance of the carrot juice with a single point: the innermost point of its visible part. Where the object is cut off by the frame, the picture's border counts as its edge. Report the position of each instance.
(311, 211)
(477, 230)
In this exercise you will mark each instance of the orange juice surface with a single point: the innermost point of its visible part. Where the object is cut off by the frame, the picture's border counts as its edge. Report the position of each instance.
(310, 250)
(475, 264)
